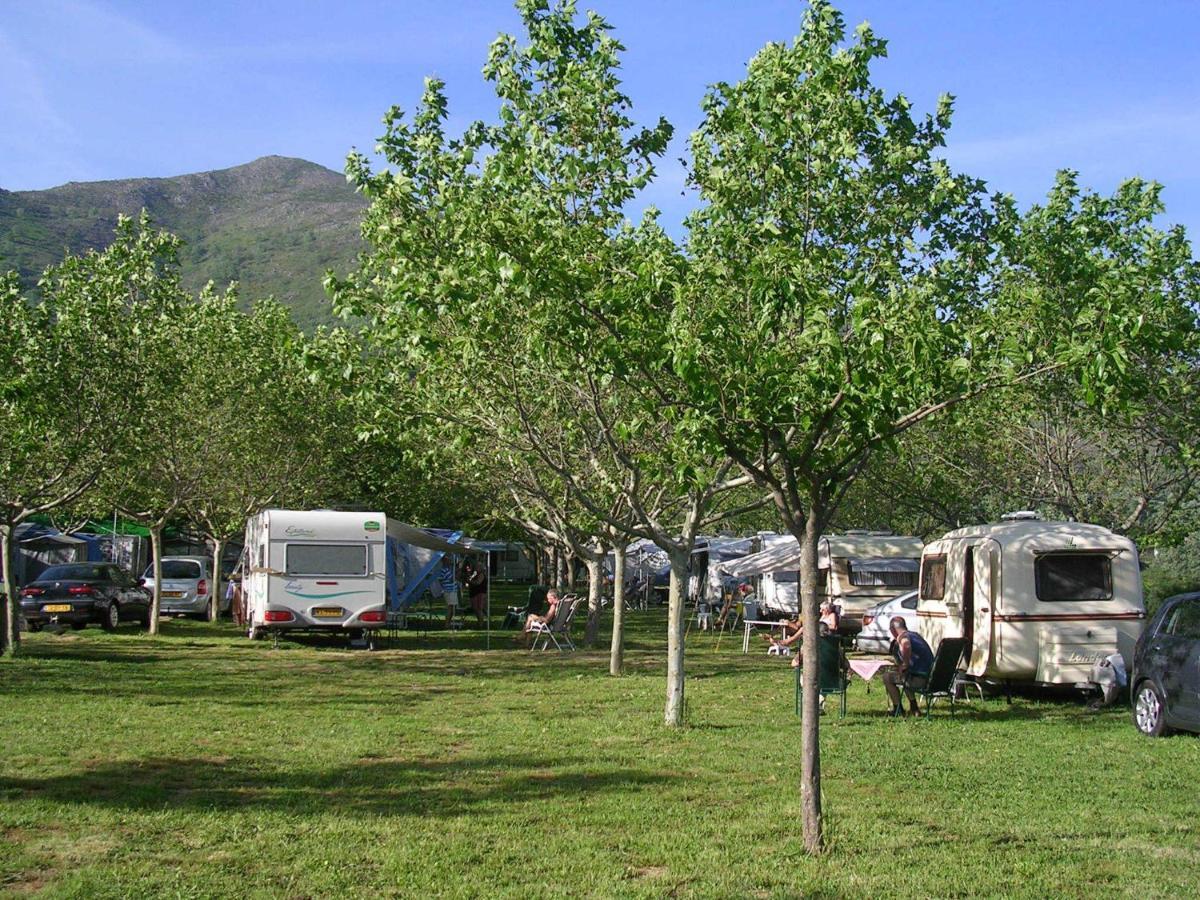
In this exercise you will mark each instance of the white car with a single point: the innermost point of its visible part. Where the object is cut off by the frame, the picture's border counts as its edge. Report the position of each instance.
(186, 585)
(876, 636)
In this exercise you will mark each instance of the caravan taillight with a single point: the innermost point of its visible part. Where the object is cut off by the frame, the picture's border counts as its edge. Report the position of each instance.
(202, 587)
(278, 615)
(376, 616)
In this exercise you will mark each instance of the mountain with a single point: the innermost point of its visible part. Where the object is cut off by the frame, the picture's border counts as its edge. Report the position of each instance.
(273, 225)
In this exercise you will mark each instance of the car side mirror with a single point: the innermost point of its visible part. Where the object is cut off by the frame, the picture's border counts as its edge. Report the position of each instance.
(141, 582)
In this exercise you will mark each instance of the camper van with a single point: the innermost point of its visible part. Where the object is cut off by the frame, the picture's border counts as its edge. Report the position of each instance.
(321, 570)
(1036, 601)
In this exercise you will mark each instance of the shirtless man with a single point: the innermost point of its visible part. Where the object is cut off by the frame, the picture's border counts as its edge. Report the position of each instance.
(551, 611)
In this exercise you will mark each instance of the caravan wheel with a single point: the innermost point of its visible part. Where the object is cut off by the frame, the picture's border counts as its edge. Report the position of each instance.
(256, 634)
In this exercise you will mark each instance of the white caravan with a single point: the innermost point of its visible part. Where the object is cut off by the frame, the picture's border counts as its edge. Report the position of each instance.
(1037, 601)
(320, 570)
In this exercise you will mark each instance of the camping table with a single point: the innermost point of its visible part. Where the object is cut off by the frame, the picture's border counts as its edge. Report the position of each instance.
(866, 669)
(750, 623)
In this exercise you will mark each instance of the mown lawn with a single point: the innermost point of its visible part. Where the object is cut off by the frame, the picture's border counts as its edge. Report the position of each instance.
(201, 764)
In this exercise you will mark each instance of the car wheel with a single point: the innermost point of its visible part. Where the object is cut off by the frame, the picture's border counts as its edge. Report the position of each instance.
(1149, 711)
(144, 621)
(112, 617)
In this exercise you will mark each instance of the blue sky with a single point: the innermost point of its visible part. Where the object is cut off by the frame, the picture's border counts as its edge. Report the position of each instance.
(97, 89)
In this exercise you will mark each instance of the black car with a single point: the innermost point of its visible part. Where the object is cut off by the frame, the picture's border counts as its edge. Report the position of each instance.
(78, 593)
(1165, 680)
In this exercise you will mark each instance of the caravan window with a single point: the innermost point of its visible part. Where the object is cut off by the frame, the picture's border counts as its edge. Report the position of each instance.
(326, 559)
(1073, 576)
(883, 572)
(933, 577)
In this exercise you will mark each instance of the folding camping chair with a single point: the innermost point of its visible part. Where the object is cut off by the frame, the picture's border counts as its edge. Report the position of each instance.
(558, 631)
(940, 682)
(833, 677)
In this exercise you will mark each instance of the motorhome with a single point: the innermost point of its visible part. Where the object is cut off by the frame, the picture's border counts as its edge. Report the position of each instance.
(321, 570)
(1037, 601)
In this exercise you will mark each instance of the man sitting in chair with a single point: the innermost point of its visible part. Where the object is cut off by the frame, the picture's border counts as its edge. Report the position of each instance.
(914, 659)
(547, 619)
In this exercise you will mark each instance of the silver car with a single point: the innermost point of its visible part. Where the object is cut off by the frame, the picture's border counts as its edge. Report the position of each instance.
(876, 636)
(186, 587)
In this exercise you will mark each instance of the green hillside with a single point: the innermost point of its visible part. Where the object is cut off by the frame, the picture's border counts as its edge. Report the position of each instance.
(273, 225)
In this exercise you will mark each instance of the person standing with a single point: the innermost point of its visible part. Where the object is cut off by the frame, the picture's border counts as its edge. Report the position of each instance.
(476, 580)
(448, 579)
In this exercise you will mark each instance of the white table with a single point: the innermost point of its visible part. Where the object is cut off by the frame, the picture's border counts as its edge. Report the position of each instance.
(750, 623)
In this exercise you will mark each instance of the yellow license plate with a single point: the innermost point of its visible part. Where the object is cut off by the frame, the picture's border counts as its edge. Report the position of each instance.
(57, 607)
(328, 612)
(173, 594)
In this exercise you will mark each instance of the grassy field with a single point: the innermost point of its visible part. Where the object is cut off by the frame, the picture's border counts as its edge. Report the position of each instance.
(201, 764)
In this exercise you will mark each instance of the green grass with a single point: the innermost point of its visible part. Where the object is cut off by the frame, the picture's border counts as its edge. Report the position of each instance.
(198, 763)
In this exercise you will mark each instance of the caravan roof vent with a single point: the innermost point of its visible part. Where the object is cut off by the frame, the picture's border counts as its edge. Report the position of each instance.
(857, 531)
(1021, 515)
(880, 533)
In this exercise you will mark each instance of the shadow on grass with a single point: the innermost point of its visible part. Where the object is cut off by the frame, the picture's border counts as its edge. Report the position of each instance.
(370, 786)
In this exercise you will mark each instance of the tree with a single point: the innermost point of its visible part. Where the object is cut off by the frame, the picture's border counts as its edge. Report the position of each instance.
(846, 285)
(254, 453)
(66, 408)
(494, 254)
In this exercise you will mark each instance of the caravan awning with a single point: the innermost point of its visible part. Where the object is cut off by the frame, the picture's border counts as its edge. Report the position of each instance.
(419, 537)
(776, 558)
(884, 564)
(51, 538)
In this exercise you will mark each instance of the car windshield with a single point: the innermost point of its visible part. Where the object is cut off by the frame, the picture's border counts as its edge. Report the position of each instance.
(71, 573)
(176, 568)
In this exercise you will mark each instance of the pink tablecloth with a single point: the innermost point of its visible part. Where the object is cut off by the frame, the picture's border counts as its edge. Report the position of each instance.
(866, 669)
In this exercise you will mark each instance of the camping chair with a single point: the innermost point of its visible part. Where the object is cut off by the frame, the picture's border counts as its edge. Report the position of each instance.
(559, 629)
(940, 682)
(515, 617)
(832, 677)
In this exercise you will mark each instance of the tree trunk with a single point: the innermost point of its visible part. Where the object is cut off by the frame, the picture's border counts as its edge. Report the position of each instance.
(616, 656)
(10, 640)
(156, 551)
(214, 606)
(569, 564)
(555, 570)
(810, 747)
(595, 569)
(675, 622)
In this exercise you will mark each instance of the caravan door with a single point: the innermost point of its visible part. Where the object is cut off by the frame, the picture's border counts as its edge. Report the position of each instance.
(979, 606)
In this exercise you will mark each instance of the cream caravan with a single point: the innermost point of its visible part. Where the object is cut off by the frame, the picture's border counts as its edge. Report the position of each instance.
(857, 570)
(1036, 601)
